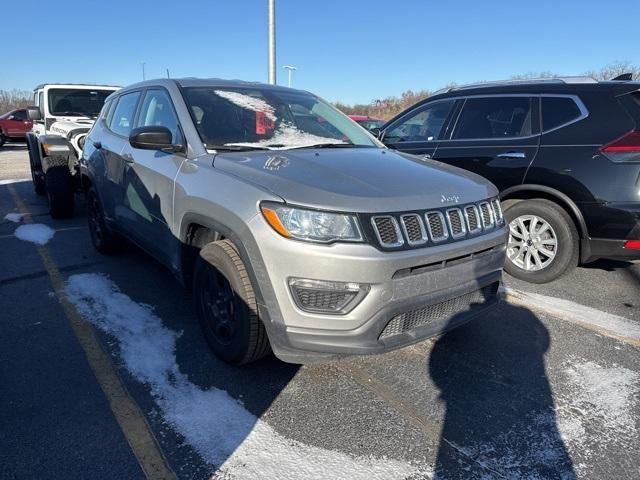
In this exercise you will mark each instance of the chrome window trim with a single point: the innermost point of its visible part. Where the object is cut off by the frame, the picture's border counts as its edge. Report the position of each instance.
(462, 224)
(478, 219)
(492, 222)
(423, 231)
(445, 235)
(394, 222)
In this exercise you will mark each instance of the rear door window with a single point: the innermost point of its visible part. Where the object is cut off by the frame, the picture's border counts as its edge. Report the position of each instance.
(558, 111)
(121, 121)
(494, 118)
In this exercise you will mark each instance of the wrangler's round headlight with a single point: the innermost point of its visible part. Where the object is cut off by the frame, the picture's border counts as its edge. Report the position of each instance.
(311, 225)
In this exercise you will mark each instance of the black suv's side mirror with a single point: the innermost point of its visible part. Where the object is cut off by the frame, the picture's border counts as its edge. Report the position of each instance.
(153, 137)
(34, 113)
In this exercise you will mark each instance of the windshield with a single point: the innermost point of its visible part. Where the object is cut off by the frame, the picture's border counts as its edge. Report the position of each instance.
(269, 119)
(77, 102)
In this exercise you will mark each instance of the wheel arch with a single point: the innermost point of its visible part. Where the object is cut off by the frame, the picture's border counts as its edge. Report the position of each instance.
(529, 191)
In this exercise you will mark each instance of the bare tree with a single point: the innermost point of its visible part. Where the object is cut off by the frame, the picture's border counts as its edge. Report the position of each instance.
(615, 69)
(10, 99)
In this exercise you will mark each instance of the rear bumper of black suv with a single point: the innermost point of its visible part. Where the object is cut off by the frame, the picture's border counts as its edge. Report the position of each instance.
(612, 226)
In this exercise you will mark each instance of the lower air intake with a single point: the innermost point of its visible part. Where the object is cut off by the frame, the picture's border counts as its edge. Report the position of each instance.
(419, 317)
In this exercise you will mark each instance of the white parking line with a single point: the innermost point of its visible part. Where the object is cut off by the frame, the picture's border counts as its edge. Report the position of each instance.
(605, 323)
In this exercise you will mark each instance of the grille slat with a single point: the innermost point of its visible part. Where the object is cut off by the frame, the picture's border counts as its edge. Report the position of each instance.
(437, 228)
(414, 229)
(497, 211)
(486, 214)
(386, 228)
(439, 312)
(473, 220)
(456, 223)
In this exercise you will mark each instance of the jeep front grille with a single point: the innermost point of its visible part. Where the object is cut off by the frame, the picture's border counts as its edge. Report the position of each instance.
(416, 229)
(440, 312)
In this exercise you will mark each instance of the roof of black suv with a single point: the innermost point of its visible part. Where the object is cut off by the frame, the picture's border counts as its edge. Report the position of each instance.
(549, 85)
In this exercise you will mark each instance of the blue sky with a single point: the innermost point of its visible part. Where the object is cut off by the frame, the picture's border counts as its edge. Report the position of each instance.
(348, 50)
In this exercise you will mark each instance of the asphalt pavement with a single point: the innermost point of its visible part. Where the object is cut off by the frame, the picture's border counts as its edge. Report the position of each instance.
(523, 392)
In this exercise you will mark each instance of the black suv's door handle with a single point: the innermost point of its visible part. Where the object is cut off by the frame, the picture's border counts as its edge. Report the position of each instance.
(511, 155)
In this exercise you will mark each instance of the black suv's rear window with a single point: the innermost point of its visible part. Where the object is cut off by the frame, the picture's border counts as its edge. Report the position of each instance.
(557, 111)
(494, 117)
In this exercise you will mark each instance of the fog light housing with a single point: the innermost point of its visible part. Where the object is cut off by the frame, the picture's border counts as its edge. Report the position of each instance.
(321, 296)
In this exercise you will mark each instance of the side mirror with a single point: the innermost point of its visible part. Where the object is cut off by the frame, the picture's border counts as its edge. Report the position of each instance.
(34, 113)
(153, 137)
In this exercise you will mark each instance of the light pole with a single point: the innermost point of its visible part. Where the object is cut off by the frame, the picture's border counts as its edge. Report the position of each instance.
(291, 68)
(143, 76)
(272, 42)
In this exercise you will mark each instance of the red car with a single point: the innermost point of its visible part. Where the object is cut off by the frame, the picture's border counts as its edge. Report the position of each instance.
(14, 125)
(367, 121)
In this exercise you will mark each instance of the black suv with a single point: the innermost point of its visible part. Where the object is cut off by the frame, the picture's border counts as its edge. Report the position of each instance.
(565, 154)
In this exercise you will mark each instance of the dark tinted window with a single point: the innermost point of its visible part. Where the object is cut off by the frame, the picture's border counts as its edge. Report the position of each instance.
(424, 125)
(557, 111)
(121, 121)
(76, 102)
(494, 117)
(20, 115)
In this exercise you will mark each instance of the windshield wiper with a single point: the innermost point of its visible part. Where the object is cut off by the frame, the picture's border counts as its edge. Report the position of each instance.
(234, 148)
(326, 145)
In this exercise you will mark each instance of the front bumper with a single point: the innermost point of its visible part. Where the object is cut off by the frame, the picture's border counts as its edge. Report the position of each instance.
(400, 282)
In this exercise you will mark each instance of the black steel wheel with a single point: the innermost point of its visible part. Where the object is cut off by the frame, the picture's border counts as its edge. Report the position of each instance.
(226, 305)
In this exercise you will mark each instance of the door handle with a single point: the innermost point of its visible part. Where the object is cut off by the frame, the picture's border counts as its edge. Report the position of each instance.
(97, 145)
(511, 155)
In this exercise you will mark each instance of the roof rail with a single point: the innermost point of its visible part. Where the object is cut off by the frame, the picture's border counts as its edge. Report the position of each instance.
(518, 81)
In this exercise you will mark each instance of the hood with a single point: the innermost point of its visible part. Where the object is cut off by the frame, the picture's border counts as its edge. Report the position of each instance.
(64, 126)
(359, 180)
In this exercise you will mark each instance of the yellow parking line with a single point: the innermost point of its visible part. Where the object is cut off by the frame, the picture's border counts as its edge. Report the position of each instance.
(128, 414)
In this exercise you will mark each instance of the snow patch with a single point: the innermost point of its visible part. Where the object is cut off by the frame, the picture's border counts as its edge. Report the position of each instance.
(287, 136)
(37, 233)
(14, 217)
(218, 427)
(248, 102)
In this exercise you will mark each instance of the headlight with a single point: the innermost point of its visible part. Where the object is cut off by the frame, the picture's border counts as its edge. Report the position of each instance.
(311, 225)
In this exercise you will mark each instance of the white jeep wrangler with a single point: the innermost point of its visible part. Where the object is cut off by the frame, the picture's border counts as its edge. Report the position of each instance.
(62, 116)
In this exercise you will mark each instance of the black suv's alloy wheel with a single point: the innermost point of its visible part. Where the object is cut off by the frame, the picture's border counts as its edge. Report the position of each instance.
(543, 241)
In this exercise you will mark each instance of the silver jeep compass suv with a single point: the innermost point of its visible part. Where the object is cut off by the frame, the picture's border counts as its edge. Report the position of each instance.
(296, 230)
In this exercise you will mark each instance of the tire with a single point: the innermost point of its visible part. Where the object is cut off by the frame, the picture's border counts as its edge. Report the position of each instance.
(559, 237)
(102, 238)
(226, 305)
(60, 191)
(35, 165)
(3, 139)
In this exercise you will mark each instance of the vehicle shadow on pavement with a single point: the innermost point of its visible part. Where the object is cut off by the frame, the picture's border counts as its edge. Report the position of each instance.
(500, 413)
